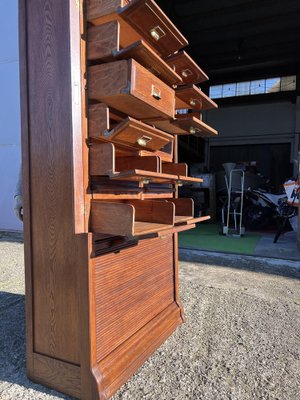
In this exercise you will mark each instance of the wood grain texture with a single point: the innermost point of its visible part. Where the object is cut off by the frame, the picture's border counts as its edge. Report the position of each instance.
(56, 250)
(103, 41)
(143, 54)
(152, 211)
(109, 41)
(112, 218)
(78, 144)
(98, 120)
(144, 16)
(132, 92)
(141, 283)
(151, 163)
(186, 68)
(128, 357)
(102, 158)
(127, 132)
(185, 124)
(57, 374)
(191, 97)
(174, 169)
(98, 8)
(23, 38)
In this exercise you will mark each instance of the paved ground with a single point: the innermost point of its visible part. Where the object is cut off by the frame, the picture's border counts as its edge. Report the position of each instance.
(241, 340)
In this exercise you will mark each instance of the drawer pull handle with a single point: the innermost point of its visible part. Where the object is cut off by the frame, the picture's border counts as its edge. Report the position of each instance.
(156, 93)
(157, 33)
(186, 72)
(143, 141)
(193, 130)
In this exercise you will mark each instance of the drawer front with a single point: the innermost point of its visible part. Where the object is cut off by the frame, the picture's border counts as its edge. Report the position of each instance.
(152, 90)
(139, 135)
(150, 21)
(131, 288)
(135, 92)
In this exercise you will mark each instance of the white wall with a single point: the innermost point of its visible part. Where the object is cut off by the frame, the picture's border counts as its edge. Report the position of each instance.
(10, 147)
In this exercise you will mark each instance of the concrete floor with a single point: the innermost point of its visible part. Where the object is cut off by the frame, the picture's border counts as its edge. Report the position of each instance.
(285, 248)
(241, 340)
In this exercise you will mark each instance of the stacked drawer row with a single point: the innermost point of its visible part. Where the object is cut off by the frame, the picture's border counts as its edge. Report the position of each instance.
(139, 82)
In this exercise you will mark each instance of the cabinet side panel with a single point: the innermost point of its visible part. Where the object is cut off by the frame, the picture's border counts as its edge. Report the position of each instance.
(132, 287)
(57, 252)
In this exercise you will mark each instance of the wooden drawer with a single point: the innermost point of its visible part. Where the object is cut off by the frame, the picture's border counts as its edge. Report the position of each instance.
(184, 212)
(129, 132)
(108, 42)
(191, 97)
(185, 124)
(146, 18)
(181, 171)
(103, 162)
(145, 217)
(186, 68)
(136, 92)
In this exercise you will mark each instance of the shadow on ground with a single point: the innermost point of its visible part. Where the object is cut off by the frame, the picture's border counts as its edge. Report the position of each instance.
(12, 348)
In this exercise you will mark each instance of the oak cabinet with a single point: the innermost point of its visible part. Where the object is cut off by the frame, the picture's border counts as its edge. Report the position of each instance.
(100, 84)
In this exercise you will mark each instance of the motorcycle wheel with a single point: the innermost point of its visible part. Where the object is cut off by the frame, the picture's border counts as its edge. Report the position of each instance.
(256, 217)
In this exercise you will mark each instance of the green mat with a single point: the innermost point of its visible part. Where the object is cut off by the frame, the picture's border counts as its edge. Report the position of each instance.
(206, 237)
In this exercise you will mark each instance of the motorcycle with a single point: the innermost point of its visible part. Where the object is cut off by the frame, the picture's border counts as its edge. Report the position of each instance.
(263, 207)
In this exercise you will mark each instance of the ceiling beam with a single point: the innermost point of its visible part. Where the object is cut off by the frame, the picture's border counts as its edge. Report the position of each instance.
(243, 29)
(257, 10)
(184, 8)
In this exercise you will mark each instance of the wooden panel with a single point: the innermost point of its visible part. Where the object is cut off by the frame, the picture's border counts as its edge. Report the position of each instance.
(57, 252)
(146, 163)
(107, 42)
(143, 54)
(98, 120)
(149, 20)
(133, 93)
(129, 132)
(127, 358)
(152, 211)
(136, 218)
(174, 169)
(186, 68)
(191, 97)
(185, 124)
(112, 218)
(136, 134)
(57, 374)
(151, 89)
(103, 41)
(141, 278)
(98, 8)
(189, 124)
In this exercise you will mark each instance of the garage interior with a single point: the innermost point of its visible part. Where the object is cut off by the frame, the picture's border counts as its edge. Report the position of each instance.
(251, 51)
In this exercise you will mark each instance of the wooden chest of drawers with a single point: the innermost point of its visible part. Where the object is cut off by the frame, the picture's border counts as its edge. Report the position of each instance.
(100, 85)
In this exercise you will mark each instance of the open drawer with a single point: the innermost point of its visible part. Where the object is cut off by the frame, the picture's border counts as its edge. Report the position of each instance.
(136, 92)
(144, 217)
(129, 132)
(184, 124)
(145, 170)
(184, 212)
(110, 42)
(143, 17)
(181, 171)
(186, 68)
(191, 97)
